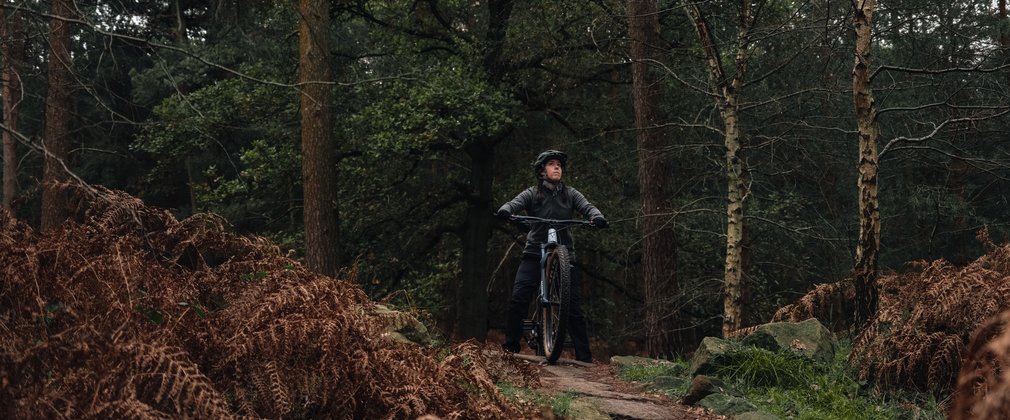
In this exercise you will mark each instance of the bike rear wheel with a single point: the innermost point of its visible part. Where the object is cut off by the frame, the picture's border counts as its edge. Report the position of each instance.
(554, 313)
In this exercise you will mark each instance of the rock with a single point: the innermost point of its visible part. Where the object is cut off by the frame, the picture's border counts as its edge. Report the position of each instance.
(703, 386)
(711, 354)
(727, 405)
(402, 326)
(809, 339)
(670, 384)
(581, 409)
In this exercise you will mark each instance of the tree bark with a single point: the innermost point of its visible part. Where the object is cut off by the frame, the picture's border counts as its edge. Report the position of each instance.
(658, 240)
(179, 30)
(13, 51)
(737, 194)
(1004, 35)
(56, 141)
(472, 298)
(728, 91)
(868, 244)
(322, 237)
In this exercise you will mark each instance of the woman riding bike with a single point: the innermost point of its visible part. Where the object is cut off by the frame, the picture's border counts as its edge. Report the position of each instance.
(548, 199)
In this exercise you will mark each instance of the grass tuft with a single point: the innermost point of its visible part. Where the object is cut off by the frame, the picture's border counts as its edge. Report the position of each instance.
(646, 372)
(795, 388)
(560, 404)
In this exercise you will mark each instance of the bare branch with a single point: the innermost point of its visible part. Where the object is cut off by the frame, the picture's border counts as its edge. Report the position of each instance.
(974, 69)
(673, 74)
(936, 129)
(188, 53)
(784, 97)
(41, 148)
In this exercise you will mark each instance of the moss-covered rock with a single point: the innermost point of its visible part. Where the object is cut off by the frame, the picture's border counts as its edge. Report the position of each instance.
(582, 409)
(727, 405)
(809, 339)
(403, 327)
(710, 355)
(703, 386)
(669, 383)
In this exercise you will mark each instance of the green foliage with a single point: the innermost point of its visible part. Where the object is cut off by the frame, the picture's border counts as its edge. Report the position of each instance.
(645, 372)
(426, 286)
(760, 367)
(559, 403)
(232, 143)
(790, 387)
(451, 102)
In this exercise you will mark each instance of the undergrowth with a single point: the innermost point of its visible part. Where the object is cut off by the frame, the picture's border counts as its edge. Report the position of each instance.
(127, 312)
(642, 372)
(560, 404)
(790, 387)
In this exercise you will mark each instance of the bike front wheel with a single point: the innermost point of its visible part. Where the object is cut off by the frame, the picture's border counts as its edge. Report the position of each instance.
(554, 312)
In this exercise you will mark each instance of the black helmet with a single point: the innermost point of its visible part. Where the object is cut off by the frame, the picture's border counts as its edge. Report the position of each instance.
(543, 157)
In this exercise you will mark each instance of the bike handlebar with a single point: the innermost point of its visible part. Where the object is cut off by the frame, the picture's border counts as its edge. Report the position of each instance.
(530, 220)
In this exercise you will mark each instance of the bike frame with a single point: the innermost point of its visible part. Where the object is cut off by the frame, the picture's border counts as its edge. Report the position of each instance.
(545, 249)
(543, 300)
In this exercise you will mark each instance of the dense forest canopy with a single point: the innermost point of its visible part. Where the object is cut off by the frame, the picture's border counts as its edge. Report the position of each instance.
(437, 108)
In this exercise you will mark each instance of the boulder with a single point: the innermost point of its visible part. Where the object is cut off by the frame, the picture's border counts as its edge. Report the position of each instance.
(727, 405)
(668, 383)
(703, 386)
(809, 339)
(402, 326)
(711, 354)
(581, 409)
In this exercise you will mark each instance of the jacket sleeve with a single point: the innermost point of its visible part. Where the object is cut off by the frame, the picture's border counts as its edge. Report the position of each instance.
(520, 203)
(581, 205)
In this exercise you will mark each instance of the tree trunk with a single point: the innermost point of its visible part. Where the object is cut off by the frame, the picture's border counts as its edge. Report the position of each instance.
(56, 141)
(658, 240)
(868, 245)
(728, 91)
(1004, 35)
(322, 240)
(13, 50)
(472, 297)
(739, 190)
(179, 30)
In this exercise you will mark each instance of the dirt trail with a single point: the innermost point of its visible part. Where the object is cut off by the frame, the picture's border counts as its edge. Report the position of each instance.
(599, 385)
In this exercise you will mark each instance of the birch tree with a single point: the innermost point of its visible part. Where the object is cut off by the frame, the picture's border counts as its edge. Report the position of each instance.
(868, 242)
(726, 92)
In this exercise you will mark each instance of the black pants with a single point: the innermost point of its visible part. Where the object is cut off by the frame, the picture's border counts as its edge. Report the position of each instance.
(524, 289)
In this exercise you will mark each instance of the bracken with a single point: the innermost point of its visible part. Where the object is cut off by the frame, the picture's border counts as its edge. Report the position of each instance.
(130, 313)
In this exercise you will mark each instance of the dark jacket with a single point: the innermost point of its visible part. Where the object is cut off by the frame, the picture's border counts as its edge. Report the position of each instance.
(560, 203)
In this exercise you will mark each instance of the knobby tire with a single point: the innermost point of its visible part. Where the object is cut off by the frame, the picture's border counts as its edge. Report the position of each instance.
(554, 316)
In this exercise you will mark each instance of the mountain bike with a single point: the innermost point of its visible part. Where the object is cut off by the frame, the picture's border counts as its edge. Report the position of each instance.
(548, 321)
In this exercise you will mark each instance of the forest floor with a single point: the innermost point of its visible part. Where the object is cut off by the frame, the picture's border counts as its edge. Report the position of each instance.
(600, 386)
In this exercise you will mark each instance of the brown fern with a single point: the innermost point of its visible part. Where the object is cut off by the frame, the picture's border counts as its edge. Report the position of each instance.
(830, 303)
(920, 331)
(135, 314)
(983, 383)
